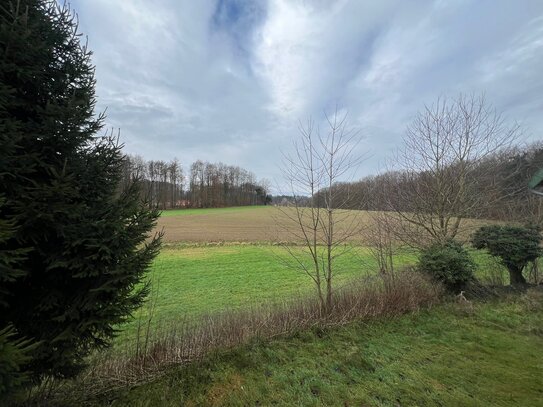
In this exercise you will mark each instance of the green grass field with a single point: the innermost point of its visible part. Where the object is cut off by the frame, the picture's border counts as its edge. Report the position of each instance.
(188, 282)
(447, 356)
(191, 281)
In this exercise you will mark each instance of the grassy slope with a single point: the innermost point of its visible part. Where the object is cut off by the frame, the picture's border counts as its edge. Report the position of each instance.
(442, 357)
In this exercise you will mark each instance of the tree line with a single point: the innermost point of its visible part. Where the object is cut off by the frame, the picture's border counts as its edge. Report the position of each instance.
(496, 187)
(207, 185)
(499, 183)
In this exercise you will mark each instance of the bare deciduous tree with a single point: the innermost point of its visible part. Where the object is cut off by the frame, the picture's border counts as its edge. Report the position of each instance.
(380, 239)
(318, 163)
(436, 189)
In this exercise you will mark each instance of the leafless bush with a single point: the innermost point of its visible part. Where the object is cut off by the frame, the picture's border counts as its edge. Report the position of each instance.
(188, 341)
(533, 300)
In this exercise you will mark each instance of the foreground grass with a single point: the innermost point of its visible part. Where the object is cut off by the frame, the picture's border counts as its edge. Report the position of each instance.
(488, 355)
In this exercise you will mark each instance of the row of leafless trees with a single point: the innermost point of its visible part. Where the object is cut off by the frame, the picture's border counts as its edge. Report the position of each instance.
(498, 185)
(163, 182)
(215, 185)
(208, 185)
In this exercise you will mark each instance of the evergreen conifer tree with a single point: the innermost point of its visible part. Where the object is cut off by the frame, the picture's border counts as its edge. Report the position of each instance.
(74, 246)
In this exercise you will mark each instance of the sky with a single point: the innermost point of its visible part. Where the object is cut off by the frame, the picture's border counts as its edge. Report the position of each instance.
(230, 80)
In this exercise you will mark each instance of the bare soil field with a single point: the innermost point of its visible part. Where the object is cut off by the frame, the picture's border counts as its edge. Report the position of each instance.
(243, 224)
(255, 224)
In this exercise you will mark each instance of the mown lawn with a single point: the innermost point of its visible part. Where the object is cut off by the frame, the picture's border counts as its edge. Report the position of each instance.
(448, 356)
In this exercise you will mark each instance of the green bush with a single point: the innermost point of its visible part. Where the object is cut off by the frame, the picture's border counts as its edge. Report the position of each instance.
(449, 263)
(515, 246)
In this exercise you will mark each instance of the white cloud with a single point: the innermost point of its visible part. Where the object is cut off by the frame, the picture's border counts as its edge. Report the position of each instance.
(228, 79)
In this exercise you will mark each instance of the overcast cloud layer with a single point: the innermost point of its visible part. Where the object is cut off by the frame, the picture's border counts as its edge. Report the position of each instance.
(228, 80)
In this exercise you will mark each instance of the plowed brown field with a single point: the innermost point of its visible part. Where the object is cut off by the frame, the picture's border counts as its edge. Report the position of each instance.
(259, 224)
(242, 224)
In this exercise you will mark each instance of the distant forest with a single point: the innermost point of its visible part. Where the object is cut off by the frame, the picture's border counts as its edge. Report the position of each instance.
(207, 185)
(500, 183)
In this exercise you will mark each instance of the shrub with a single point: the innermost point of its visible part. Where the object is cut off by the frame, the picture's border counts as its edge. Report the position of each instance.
(515, 246)
(449, 263)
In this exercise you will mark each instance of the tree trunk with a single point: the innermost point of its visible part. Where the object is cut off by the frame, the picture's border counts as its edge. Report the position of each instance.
(515, 276)
(329, 297)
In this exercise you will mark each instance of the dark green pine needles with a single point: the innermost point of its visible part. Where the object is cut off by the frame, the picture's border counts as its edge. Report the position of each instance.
(74, 246)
